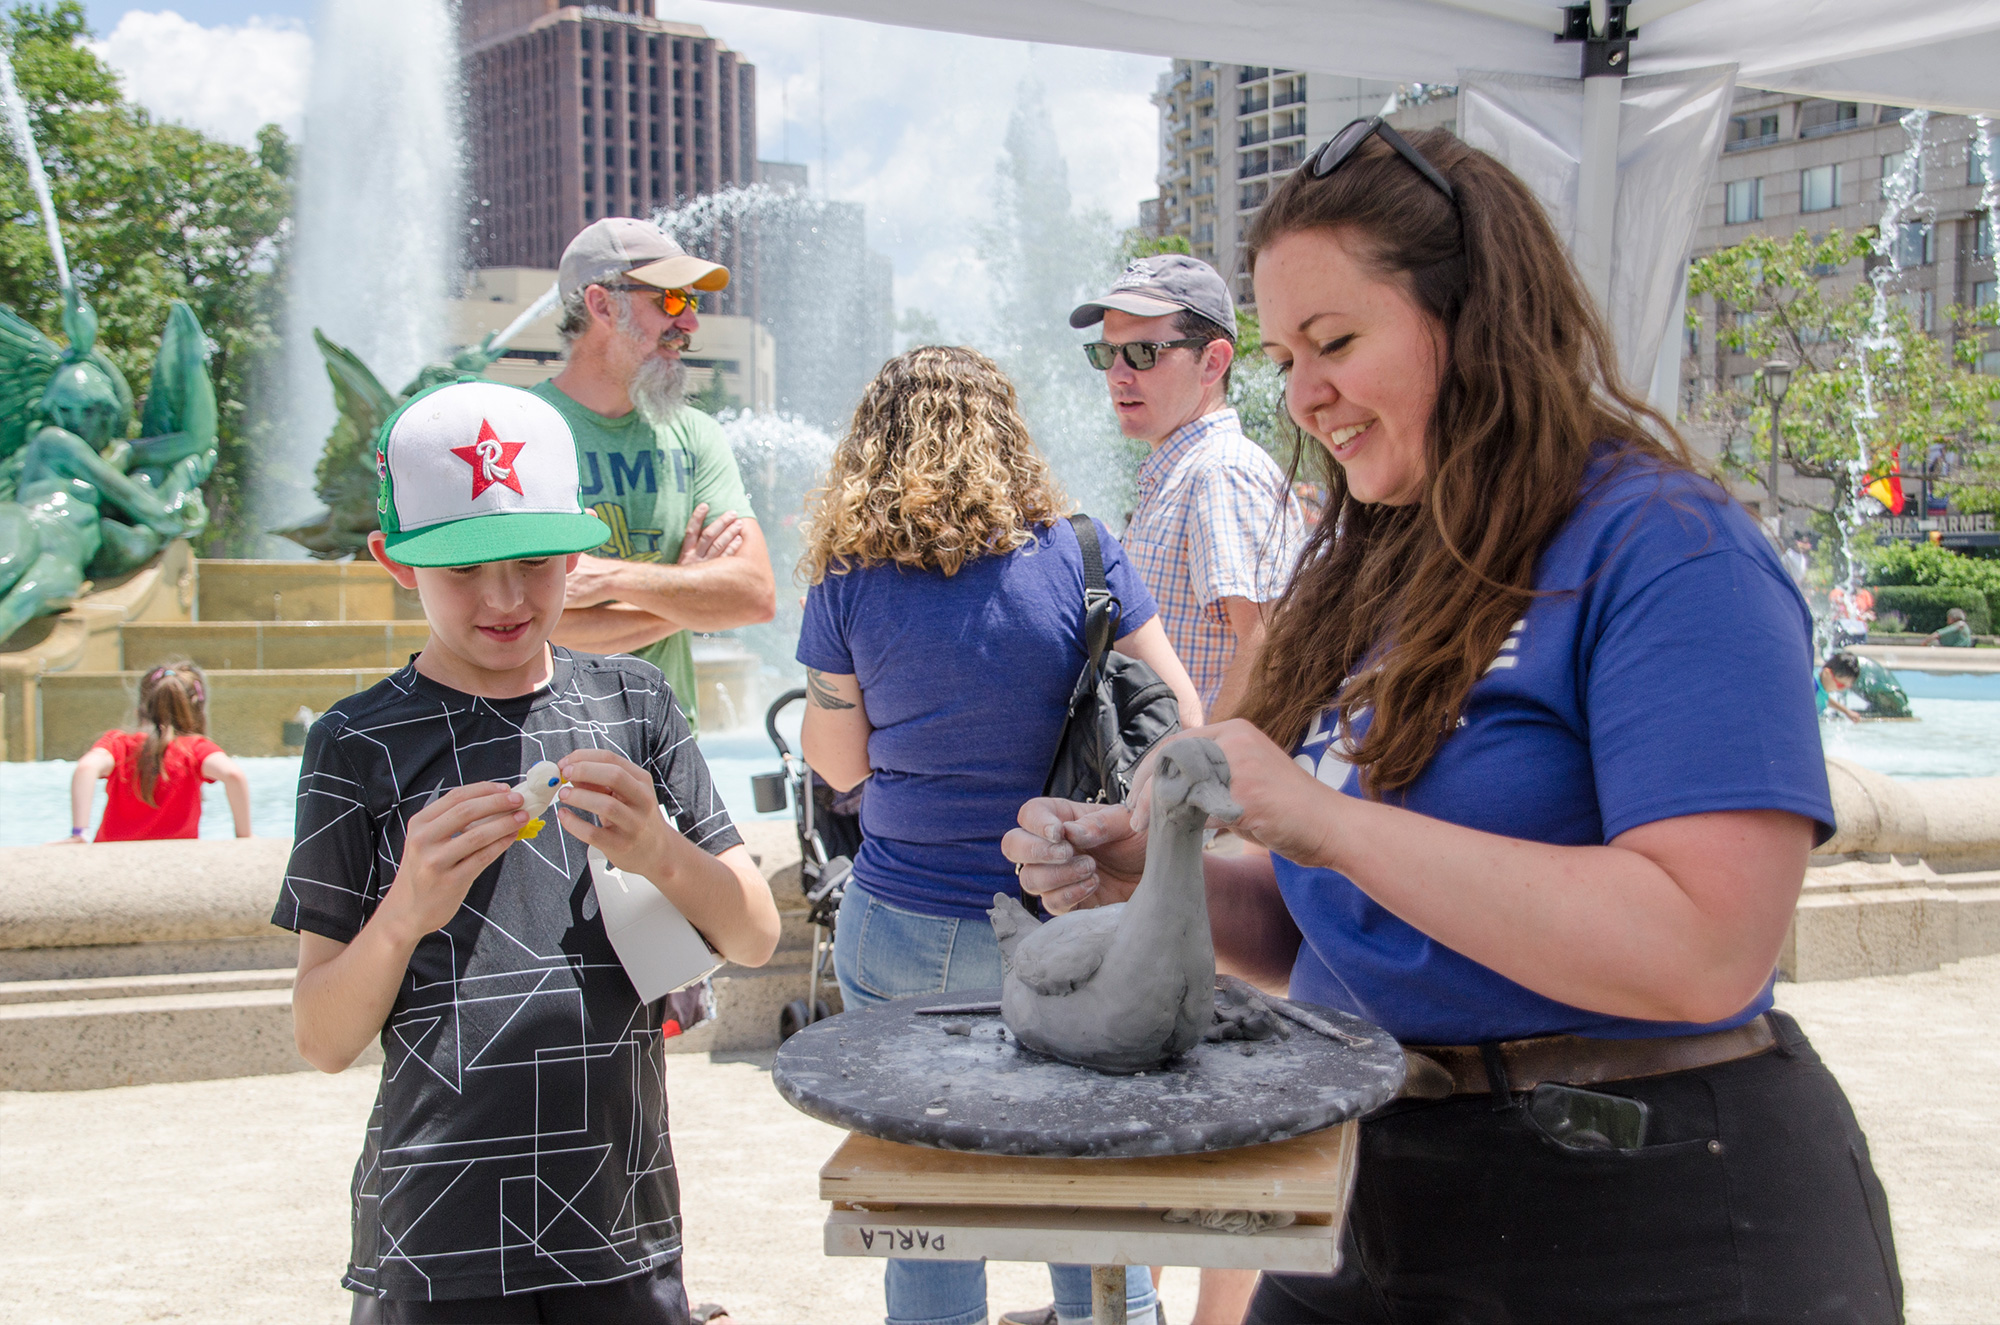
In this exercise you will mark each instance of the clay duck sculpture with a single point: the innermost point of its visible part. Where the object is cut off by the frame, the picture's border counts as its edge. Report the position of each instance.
(1124, 988)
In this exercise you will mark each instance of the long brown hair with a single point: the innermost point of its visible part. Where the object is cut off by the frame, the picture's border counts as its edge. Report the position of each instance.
(936, 469)
(173, 702)
(1400, 610)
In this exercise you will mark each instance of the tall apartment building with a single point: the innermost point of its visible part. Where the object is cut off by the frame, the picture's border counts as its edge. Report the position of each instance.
(1790, 164)
(578, 111)
(1228, 134)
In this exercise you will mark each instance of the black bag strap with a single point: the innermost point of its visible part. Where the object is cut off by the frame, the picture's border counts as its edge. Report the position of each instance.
(1101, 614)
(1101, 611)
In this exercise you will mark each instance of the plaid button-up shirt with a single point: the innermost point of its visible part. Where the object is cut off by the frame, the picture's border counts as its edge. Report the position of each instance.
(1215, 520)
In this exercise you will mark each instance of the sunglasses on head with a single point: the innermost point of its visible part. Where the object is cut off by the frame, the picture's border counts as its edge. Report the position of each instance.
(1336, 151)
(1139, 354)
(672, 302)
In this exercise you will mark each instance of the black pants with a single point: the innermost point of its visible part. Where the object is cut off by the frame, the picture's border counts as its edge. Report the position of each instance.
(1752, 1201)
(652, 1298)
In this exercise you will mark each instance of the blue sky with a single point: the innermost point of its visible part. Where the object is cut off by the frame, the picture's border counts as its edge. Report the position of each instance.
(913, 120)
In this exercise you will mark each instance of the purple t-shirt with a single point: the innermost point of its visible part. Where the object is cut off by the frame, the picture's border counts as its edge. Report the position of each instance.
(966, 679)
(1670, 675)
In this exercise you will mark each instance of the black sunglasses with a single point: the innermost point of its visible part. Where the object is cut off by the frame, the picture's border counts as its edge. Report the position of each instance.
(1140, 354)
(1335, 152)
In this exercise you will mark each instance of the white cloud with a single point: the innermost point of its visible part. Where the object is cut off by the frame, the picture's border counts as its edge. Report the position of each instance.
(913, 128)
(227, 81)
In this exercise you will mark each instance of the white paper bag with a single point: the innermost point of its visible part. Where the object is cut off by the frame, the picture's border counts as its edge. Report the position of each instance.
(659, 949)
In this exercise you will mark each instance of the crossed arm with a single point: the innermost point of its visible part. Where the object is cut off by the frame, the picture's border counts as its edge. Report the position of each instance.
(722, 579)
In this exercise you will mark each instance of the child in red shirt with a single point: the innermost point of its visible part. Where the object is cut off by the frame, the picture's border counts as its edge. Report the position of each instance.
(156, 775)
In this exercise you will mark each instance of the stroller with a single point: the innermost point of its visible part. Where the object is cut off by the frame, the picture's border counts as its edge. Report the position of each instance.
(829, 827)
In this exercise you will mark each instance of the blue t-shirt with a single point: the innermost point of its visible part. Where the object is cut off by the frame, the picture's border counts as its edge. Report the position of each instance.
(966, 679)
(1670, 677)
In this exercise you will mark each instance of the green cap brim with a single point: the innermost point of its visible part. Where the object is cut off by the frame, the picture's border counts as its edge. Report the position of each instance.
(510, 536)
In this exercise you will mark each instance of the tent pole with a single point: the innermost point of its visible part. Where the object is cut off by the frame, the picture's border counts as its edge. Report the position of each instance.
(1597, 185)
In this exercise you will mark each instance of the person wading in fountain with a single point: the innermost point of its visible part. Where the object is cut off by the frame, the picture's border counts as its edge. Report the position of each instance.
(654, 468)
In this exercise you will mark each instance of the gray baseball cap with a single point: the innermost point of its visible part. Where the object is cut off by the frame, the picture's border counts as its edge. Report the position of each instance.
(624, 248)
(1163, 283)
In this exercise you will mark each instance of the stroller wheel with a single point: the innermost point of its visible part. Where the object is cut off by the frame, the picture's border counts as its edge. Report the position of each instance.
(821, 1011)
(795, 1018)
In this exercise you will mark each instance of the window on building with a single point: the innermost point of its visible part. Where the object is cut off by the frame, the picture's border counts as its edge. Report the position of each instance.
(1985, 293)
(610, 127)
(1982, 243)
(589, 182)
(680, 50)
(589, 210)
(588, 124)
(697, 80)
(1892, 163)
(1916, 244)
(1743, 200)
(1976, 170)
(653, 76)
(610, 41)
(1817, 118)
(1752, 130)
(652, 48)
(1921, 305)
(680, 164)
(652, 105)
(610, 183)
(1989, 363)
(697, 107)
(632, 43)
(680, 137)
(632, 73)
(586, 99)
(1744, 384)
(656, 188)
(586, 66)
(1819, 188)
(632, 102)
(653, 160)
(588, 156)
(653, 135)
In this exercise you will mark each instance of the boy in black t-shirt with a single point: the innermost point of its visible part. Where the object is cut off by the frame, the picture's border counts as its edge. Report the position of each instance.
(516, 1164)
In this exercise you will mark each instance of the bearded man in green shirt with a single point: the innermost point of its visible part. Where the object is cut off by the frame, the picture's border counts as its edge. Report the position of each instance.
(654, 468)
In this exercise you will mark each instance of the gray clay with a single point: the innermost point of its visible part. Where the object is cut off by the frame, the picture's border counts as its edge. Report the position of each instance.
(1125, 988)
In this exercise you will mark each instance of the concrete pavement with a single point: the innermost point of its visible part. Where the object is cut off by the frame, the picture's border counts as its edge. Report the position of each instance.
(227, 1200)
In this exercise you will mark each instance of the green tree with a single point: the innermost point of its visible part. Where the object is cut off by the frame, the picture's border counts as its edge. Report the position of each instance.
(149, 212)
(1898, 393)
(1136, 244)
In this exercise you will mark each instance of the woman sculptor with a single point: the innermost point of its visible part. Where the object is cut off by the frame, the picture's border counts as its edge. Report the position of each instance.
(1480, 828)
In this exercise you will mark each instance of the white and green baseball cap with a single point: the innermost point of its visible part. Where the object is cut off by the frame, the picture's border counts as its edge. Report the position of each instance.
(477, 471)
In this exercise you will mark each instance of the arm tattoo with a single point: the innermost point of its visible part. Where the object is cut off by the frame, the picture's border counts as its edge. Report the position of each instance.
(821, 693)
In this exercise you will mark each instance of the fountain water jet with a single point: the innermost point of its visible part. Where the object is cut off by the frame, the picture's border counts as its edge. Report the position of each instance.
(15, 107)
(379, 216)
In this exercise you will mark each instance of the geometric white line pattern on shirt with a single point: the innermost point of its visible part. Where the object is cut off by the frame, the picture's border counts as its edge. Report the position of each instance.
(519, 1140)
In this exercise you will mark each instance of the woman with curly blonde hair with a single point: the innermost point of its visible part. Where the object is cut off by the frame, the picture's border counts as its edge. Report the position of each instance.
(943, 634)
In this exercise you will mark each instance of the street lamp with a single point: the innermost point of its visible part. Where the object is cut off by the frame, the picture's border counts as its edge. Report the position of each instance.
(1777, 381)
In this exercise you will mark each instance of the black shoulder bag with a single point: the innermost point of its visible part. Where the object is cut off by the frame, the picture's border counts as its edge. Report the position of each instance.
(1120, 708)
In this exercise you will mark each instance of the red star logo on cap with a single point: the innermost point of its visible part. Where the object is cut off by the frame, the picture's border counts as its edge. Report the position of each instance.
(492, 461)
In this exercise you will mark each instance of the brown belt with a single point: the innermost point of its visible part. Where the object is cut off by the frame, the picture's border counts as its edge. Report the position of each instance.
(1440, 1070)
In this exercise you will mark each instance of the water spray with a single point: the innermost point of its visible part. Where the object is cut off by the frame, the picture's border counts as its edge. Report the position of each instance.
(548, 300)
(16, 110)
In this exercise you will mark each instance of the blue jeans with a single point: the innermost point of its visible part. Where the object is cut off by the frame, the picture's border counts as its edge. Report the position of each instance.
(883, 952)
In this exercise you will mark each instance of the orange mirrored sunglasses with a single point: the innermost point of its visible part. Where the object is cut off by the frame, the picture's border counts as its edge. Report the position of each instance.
(672, 302)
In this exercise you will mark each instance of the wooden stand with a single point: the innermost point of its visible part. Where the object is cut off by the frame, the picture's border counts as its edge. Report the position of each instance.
(915, 1203)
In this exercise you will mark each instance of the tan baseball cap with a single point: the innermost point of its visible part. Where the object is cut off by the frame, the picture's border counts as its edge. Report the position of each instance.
(624, 248)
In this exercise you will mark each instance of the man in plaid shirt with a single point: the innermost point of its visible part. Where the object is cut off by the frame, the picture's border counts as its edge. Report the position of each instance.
(1216, 529)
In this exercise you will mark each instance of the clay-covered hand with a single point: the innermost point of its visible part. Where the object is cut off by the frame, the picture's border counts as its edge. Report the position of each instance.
(447, 845)
(1073, 855)
(1284, 808)
(630, 830)
(720, 538)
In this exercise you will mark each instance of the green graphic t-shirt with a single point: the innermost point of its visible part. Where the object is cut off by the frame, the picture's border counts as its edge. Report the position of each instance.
(643, 482)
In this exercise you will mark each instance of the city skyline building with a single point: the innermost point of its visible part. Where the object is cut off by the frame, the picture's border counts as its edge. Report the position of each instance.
(576, 112)
(1228, 134)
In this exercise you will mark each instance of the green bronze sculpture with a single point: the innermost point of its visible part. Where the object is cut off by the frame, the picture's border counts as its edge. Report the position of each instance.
(77, 499)
(346, 480)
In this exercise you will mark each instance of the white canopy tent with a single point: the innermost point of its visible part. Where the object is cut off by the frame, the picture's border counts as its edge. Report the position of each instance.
(1612, 112)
